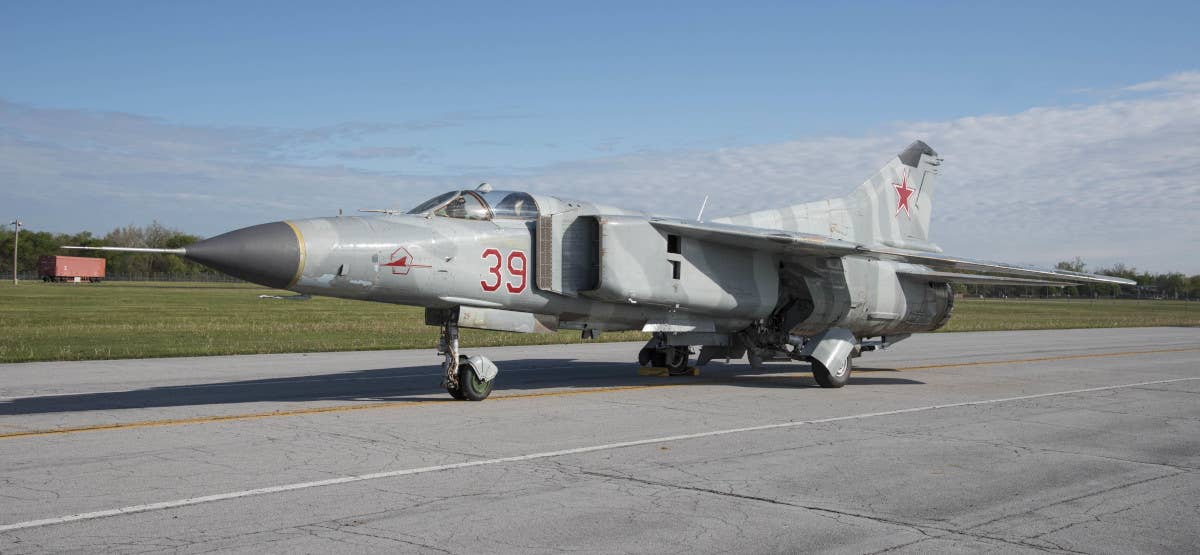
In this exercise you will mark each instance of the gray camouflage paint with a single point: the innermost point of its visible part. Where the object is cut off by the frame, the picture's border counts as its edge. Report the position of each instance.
(764, 284)
(861, 266)
(721, 289)
(348, 256)
(866, 295)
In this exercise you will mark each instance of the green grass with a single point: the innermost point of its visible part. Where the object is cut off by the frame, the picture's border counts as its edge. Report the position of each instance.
(134, 320)
(1038, 314)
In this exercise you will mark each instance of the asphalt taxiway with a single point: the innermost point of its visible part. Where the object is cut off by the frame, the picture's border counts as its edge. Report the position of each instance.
(1074, 441)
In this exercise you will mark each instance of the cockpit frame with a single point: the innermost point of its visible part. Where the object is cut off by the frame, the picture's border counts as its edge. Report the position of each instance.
(510, 205)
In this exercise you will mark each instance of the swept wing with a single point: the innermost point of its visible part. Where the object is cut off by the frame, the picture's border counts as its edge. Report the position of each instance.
(936, 265)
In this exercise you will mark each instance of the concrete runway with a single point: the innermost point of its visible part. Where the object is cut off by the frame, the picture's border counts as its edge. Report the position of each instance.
(1074, 441)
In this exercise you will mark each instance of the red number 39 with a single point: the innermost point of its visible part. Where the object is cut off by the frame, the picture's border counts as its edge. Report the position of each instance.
(517, 267)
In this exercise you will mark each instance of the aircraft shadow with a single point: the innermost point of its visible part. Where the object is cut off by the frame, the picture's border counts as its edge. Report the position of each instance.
(419, 383)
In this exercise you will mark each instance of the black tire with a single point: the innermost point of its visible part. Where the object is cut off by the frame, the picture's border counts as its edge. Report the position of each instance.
(471, 387)
(645, 357)
(826, 379)
(676, 361)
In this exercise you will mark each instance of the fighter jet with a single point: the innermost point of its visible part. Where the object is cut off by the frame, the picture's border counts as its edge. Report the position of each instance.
(820, 282)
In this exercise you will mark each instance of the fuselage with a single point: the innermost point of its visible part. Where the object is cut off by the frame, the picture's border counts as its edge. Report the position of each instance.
(635, 278)
(442, 263)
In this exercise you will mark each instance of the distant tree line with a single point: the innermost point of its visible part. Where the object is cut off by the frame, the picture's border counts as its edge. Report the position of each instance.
(1172, 285)
(35, 244)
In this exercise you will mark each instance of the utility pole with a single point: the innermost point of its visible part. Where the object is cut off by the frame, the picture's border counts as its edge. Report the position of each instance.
(16, 236)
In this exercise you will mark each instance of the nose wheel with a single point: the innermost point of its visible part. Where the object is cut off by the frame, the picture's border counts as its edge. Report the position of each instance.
(465, 378)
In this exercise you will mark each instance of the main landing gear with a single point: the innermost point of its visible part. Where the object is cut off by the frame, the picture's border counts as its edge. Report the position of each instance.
(831, 353)
(837, 377)
(465, 378)
(658, 354)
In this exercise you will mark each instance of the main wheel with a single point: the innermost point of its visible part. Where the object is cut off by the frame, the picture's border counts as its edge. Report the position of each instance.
(828, 379)
(471, 387)
(645, 357)
(676, 360)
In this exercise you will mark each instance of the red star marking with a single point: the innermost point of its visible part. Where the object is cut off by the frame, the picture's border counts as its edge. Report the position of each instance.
(903, 191)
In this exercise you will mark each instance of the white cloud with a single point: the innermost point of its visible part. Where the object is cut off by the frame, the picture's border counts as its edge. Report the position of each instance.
(1114, 180)
(1179, 82)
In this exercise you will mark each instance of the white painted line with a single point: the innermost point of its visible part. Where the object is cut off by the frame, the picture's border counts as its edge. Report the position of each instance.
(534, 456)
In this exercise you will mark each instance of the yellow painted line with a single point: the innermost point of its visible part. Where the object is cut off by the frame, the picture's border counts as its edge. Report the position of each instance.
(401, 404)
(316, 410)
(303, 254)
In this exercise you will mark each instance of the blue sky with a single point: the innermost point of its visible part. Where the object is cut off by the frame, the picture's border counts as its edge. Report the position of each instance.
(390, 101)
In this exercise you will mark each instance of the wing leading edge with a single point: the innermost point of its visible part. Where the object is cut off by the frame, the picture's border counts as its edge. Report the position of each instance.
(939, 266)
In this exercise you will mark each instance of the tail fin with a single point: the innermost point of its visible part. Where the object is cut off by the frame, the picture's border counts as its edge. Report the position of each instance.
(893, 207)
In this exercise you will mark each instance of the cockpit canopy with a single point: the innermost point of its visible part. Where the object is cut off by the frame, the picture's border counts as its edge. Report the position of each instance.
(480, 205)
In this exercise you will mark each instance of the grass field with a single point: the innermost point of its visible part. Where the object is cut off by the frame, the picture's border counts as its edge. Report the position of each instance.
(134, 320)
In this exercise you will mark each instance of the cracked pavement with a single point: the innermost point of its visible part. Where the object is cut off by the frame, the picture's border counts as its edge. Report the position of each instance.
(1107, 471)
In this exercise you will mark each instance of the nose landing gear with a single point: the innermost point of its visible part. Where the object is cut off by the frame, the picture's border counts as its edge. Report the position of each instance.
(465, 378)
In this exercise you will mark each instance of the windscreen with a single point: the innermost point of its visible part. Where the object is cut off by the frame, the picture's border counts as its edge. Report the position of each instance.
(466, 206)
(432, 203)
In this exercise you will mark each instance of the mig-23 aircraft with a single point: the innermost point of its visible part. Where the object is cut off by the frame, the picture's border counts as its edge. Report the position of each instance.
(820, 282)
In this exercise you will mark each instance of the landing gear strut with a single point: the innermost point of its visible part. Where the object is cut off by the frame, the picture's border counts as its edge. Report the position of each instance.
(465, 378)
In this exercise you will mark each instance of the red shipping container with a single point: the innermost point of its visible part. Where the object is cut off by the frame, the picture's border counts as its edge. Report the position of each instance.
(68, 268)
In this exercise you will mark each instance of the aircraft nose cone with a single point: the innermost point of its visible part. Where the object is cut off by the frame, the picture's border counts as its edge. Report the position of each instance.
(266, 254)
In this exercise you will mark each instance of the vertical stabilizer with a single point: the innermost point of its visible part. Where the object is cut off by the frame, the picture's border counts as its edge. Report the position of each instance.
(893, 207)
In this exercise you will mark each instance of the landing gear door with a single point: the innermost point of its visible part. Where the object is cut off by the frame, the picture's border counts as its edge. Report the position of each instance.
(568, 253)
